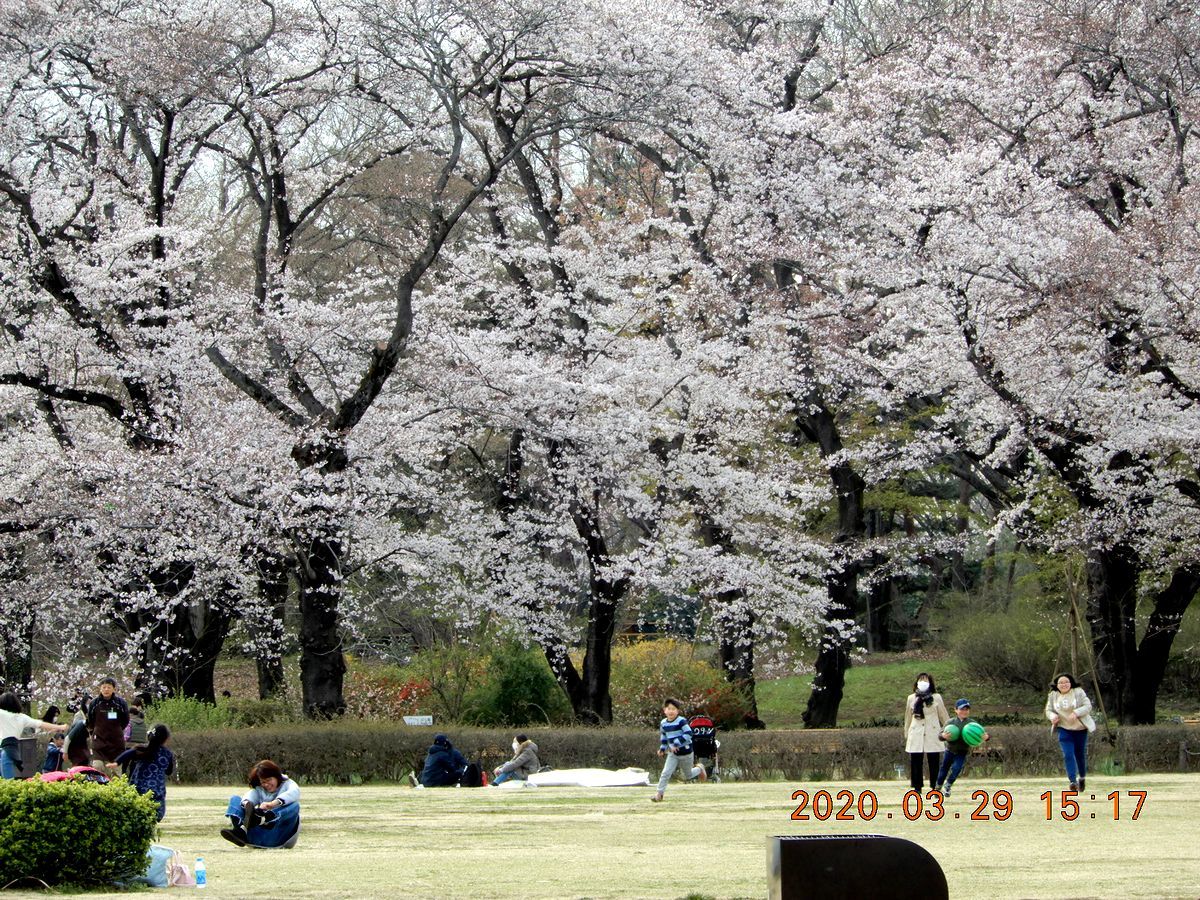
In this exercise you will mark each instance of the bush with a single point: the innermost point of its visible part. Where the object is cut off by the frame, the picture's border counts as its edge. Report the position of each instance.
(451, 671)
(519, 689)
(246, 713)
(648, 671)
(187, 713)
(74, 832)
(1007, 648)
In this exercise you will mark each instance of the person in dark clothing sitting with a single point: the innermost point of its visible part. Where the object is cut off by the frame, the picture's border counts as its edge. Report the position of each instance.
(444, 766)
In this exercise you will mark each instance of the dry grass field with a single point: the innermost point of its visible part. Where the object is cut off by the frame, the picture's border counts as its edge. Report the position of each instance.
(705, 841)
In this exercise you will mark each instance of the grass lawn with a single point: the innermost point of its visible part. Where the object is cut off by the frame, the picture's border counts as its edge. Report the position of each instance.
(705, 841)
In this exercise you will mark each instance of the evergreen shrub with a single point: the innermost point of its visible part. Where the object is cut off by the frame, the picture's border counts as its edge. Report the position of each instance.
(517, 689)
(74, 832)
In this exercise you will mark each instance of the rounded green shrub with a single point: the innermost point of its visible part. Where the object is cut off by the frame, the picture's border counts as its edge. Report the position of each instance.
(74, 832)
(519, 689)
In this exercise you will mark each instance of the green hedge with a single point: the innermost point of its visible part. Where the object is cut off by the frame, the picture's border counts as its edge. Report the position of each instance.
(356, 752)
(73, 832)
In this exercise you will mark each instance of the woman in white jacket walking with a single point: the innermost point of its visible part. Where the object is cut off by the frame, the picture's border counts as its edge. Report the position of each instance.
(924, 718)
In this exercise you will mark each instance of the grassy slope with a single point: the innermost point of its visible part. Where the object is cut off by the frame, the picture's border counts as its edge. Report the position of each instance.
(705, 841)
(877, 687)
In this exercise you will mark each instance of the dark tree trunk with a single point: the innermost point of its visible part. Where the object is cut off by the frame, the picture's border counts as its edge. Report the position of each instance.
(833, 658)
(179, 653)
(1150, 665)
(733, 619)
(879, 615)
(593, 702)
(322, 663)
(1112, 575)
(193, 638)
(319, 574)
(268, 624)
(735, 644)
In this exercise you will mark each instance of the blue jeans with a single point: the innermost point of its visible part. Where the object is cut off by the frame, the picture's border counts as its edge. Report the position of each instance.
(281, 825)
(8, 765)
(505, 776)
(952, 764)
(1074, 750)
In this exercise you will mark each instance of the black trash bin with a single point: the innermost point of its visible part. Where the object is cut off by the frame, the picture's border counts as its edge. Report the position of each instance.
(852, 867)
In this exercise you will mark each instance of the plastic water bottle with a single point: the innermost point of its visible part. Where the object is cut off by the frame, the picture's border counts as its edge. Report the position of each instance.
(201, 872)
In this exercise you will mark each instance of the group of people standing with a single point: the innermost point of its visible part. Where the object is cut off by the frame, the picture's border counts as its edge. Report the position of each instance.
(103, 737)
(944, 752)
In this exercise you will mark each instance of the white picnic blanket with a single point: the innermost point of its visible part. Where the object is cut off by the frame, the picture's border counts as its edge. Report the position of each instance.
(589, 778)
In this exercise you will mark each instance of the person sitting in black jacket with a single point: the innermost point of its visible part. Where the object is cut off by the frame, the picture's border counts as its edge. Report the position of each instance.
(444, 766)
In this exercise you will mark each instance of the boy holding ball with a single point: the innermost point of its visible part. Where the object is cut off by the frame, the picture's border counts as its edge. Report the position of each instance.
(960, 736)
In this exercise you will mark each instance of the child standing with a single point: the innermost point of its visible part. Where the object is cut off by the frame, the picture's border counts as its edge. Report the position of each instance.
(956, 750)
(675, 744)
(148, 767)
(54, 753)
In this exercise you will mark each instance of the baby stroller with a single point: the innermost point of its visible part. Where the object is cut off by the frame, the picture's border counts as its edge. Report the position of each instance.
(705, 744)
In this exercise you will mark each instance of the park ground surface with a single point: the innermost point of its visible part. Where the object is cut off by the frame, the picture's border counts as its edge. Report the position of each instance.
(705, 841)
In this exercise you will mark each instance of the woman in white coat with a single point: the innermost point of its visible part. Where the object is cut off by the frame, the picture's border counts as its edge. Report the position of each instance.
(1070, 713)
(924, 718)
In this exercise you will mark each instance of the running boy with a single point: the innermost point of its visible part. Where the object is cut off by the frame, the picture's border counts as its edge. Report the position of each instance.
(675, 744)
(956, 750)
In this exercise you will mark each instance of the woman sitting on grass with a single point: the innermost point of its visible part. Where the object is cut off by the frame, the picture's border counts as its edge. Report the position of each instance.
(268, 815)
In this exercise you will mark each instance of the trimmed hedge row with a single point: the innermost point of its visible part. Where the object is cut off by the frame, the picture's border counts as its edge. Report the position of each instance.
(73, 832)
(356, 752)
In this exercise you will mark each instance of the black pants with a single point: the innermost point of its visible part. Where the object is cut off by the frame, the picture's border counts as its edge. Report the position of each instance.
(932, 760)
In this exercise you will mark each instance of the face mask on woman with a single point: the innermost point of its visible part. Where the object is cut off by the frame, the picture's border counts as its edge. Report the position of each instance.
(922, 686)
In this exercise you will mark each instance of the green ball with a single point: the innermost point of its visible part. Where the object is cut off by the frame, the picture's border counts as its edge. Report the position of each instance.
(951, 732)
(972, 734)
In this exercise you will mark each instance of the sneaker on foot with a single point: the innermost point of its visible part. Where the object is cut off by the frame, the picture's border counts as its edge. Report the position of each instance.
(657, 798)
(234, 836)
(703, 776)
(1072, 786)
(1081, 782)
(412, 779)
(946, 792)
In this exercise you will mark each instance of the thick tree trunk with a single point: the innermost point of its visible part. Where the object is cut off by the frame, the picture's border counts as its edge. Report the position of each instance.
(735, 643)
(733, 619)
(593, 703)
(193, 638)
(322, 663)
(319, 574)
(879, 615)
(833, 658)
(268, 626)
(1112, 575)
(1150, 665)
(179, 653)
